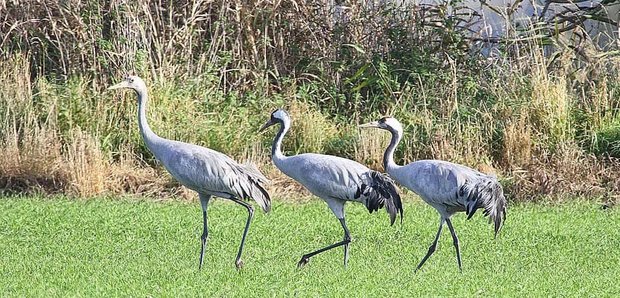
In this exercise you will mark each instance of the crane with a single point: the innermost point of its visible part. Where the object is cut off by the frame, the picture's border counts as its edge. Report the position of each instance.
(205, 171)
(336, 180)
(446, 186)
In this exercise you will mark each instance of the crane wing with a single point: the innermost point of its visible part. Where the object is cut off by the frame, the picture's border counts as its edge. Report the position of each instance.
(328, 176)
(452, 187)
(325, 176)
(208, 171)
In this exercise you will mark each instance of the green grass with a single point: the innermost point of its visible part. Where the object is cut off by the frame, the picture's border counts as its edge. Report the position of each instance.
(109, 247)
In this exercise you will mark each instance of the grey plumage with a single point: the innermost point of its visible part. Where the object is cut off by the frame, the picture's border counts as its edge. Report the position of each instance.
(210, 172)
(446, 186)
(336, 180)
(206, 171)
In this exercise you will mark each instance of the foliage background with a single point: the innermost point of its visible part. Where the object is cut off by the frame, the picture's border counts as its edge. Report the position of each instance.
(537, 107)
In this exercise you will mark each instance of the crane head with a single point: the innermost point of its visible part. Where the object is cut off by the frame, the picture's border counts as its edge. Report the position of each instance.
(131, 82)
(387, 123)
(277, 116)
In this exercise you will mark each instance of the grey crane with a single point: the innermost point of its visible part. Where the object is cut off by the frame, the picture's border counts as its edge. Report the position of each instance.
(336, 180)
(205, 171)
(446, 186)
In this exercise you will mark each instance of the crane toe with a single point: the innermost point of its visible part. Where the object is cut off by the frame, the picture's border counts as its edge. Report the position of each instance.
(304, 260)
(239, 264)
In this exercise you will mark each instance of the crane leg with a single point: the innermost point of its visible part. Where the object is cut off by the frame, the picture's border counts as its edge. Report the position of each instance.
(455, 240)
(433, 246)
(238, 261)
(204, 201)
(347, 239)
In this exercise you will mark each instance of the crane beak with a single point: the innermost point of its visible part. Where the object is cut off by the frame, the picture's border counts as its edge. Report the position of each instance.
(266, 125)
(120, 85)
(374, 124)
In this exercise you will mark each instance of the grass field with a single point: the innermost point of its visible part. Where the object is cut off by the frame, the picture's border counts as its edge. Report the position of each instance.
(99, 247)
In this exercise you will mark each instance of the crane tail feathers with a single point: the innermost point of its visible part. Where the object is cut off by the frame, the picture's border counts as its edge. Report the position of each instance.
(255, 186)
(499, 216)
(380, 191)
(489, 196)
(263, 200)
(470, 208)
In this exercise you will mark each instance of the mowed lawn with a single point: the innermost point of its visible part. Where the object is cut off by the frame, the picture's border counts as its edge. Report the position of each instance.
(105, 247)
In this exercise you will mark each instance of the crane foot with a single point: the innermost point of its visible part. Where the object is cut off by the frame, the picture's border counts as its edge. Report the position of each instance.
(239, 264)
(304, 260)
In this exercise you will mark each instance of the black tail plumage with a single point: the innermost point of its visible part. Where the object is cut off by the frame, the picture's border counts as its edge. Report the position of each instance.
(486, 194)
(379, 190)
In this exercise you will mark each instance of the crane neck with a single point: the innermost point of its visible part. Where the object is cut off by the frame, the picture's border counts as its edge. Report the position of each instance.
(276, 148)
(388, 157)
(150, 138)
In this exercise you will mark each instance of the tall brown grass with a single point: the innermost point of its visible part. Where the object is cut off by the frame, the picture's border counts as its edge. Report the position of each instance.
(548, 125)
(35, 157)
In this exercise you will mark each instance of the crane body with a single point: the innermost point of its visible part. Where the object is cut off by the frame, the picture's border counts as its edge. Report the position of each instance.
(446, 186)
(336, 180)
(203, 170)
